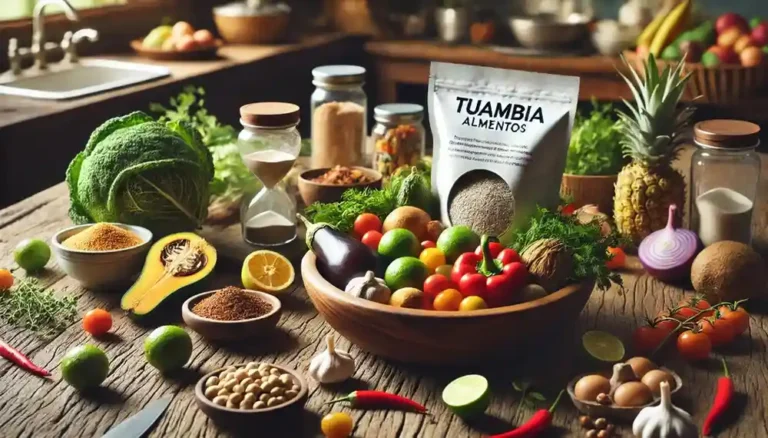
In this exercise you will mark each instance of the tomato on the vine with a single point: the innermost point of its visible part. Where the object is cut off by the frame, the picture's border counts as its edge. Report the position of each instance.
(690, 307)
(646, 338)
(738, 317)
(720, 331)
(694, 345)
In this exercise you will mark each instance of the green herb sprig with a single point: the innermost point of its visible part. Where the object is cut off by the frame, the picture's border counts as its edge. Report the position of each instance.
(342, 214)
(595, 147)
(30, 306)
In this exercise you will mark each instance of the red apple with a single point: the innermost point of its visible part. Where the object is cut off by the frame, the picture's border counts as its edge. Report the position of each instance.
(760, 34)
(725, 54)
(731, 19)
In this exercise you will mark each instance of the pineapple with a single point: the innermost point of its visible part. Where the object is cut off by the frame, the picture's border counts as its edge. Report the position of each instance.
(651, 131)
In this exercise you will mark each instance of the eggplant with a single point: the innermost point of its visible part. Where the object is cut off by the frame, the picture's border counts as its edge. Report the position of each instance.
(340, 257)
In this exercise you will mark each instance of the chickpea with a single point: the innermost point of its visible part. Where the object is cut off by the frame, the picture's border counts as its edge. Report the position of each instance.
(220, 400)
(275, 372)
(290, 394)
(272, 402)
(259, 405)
(251, 366)
(263, 366)
(253, 373)
(600, 423)
(241, 374)
(230, 384)
(264, 373)
(603, 399)
(246, 404)
(266, 387)
(276, 391)
(235, 398)
(212, 381)
(223, 374)
(585, 421)
(224, 391)
(286, 380)
(239, 389)
(245, 382)
(280, 399)
(250, 397)
(273, 380)
(592, 433)
(264, 397)
(258, 382)
(231, 405)
(295, 388)
(253, 389)
(211, 392)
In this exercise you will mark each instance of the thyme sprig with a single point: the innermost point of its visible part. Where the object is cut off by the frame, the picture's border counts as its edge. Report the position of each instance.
(30, 306)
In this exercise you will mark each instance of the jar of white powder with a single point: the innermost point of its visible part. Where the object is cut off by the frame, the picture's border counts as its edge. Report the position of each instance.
(725, 171)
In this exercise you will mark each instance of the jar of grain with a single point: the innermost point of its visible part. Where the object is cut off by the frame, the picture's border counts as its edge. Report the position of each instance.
(725, 172)
(338, 116)
(398, 137)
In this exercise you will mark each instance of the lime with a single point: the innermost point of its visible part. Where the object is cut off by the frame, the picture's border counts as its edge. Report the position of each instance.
(406, 272)
(32, 254)
(399, 243)
(168, 348)
(84, 367)
(457, 240)
(603, 346)
(468, 396)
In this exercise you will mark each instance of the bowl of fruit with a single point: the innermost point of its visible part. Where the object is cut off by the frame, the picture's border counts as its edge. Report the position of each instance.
(406, 289)
(180, 42)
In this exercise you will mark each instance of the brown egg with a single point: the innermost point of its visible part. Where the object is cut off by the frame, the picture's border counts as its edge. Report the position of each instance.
(588, 387)
(632, 394)
(652, 379)
(641, 365)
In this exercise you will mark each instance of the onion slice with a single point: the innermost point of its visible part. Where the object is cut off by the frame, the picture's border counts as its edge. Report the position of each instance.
(667, 254)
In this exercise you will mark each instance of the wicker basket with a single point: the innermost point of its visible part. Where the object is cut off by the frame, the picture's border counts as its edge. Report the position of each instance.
(723, 84)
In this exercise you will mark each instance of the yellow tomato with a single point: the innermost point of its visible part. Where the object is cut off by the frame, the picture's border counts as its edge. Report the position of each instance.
(337, 425)
(433, 258)
(449, 299)
(472, 302)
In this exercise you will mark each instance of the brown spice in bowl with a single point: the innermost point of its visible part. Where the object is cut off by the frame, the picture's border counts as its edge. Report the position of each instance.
(102, 237)
(341, 175)
(232, 304)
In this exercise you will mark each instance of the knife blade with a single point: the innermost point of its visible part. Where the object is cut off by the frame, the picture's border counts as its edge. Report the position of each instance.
(137, 425)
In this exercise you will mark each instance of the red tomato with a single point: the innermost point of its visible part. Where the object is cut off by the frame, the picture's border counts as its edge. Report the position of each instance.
(688, 308)
(665, 324)
(694, 345)
(645, 338)
(97, 322)
(738, 317)
(460, 270)
(720, 331)
(427, 244)
(507, 256)
(366, 222)
(473, 284)
(619, 259)
(436, 283)
(371, 239)
(495, 248)
(468, 258)
(568, 209)
(517, 273)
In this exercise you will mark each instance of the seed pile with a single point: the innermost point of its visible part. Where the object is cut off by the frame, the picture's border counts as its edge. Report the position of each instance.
(482, 201)
(254, 386)
(232, 304)
(103, 237)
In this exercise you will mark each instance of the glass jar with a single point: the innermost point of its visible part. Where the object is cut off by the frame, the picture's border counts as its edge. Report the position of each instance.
(269, 145)
(725, 172)
(398, 137)
(338, 116)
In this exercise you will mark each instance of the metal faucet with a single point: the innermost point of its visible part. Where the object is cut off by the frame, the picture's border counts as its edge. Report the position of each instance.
(70, 40)
(39, 47)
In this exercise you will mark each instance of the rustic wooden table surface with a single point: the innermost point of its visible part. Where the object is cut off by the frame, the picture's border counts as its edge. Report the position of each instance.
(32, 406)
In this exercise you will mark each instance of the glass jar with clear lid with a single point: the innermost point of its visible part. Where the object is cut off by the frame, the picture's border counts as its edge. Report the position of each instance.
(725, 171)
(398, 137)
(269, 145)
(338, 116)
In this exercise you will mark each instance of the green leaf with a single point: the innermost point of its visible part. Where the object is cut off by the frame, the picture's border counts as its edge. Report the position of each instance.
(518, 387)
(537, 396)
(528, 404)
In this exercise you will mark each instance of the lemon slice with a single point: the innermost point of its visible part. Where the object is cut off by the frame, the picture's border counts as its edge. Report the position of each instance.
(603, 346)
(267, 271)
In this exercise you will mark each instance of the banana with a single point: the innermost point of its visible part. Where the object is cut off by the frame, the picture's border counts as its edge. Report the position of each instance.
(646, 37)
(673, 24)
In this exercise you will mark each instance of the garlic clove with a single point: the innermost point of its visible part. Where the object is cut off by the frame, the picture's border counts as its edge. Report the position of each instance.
(332, 366)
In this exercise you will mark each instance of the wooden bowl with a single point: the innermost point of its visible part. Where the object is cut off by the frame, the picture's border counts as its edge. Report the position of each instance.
(274, 418)
(596, 410)
(250, 29)
(312, 192)
(231, 330)
(176, 55)
(590, 189)
(442, 337)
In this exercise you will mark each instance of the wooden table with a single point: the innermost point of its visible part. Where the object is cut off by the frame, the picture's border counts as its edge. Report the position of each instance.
(32, 406)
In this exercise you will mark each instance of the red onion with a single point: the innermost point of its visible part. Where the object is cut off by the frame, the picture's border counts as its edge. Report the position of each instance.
(667, 254)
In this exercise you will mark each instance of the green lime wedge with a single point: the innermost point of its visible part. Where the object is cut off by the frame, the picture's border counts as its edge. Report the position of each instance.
(603, 346)
(468, 396)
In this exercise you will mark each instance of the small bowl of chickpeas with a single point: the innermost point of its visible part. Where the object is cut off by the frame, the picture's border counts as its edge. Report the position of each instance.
(251, 393)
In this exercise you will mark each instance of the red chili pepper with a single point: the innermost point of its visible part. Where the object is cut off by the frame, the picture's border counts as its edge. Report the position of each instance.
(380, 399)
(495, 278)
(19, 359)
(723, 398)
(537, 424)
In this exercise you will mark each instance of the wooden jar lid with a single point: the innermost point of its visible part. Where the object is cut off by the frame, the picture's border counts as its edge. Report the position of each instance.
(721, 133)
(269, 114)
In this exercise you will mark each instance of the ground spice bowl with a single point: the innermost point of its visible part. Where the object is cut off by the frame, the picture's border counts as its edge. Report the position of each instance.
(216, 330)
(312, 191)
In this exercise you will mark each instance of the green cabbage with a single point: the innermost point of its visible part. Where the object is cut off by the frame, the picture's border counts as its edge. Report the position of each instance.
(138, 171)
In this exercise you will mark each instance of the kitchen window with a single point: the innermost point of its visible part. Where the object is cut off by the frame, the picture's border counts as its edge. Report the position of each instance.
(20, 9)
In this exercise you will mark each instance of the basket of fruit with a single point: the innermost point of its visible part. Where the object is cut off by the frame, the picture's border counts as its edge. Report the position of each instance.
(180, 42)
(725, 57)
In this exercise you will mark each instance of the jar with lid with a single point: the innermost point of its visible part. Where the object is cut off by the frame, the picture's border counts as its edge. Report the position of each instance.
(725, 171)
(398, 137)
(338, 116)
(269, 144)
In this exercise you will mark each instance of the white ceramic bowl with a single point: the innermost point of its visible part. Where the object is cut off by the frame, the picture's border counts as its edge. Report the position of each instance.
(101, 269)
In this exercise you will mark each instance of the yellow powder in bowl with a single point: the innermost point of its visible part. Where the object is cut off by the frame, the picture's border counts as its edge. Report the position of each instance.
(102, 237)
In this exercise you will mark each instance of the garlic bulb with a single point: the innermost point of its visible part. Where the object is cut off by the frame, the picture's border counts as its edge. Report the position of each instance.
(664, 420)
(332, 366)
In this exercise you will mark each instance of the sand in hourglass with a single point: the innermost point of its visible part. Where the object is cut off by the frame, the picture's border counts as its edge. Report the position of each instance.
(270, 166)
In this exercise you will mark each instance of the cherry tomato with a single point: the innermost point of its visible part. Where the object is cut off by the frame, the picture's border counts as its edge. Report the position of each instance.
(665, 324)
(444, 270)
(688, 308)
(720, 331)
(428, 244)
(738, 317)
(495, 248)
(366, 222)
(436, 283)
(337, 425)
(97, 322)
(468, 258)
(459, 271)
(517, 273)
(371, 239)
(449, 299)
(568, 209)
(694, 345)
(619, 259)
(645, 338)
(432, 258)
(473, 284)
(472, 303)
(6, 279)
(507, 256)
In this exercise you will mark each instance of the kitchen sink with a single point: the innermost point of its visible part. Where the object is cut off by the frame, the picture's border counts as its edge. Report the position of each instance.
(69, 81)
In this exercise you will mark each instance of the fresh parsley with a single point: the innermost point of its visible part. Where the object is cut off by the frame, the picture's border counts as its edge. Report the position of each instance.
(595, 144)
